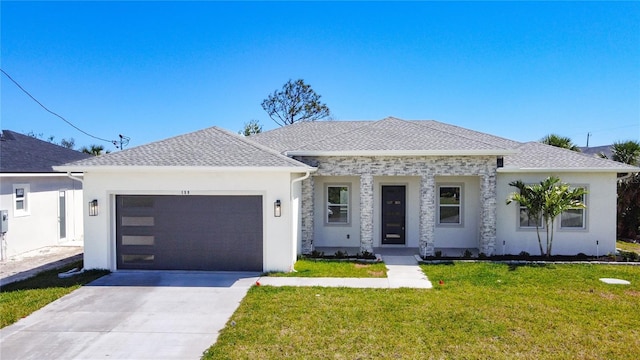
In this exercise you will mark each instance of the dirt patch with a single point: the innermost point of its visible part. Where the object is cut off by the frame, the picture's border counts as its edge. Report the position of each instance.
(632, 293)
(376, 273)
(361, 266)
(608, 296)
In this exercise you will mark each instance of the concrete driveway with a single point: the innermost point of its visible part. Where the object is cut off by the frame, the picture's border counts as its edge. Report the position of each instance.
(131, 315)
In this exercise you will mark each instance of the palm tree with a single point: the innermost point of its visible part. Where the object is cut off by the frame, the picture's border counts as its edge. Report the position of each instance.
(628, 152)
(95, 150)
(560, 141)
(547, 200)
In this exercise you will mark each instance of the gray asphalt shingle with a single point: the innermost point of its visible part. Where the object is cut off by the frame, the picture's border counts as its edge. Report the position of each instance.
(25, 154)
(534, 155)
(212, 147)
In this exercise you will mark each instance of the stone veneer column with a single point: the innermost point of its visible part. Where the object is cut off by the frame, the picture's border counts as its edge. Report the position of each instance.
(427, 215)
(366, 212)
(307, 215)
(488, 215)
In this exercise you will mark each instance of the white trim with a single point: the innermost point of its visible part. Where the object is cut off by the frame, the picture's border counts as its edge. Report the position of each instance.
(460, 205)
(492, 152)
(191, 169)
(26, 206)
(60, 174)
(585, 224)
(567, 170)
(326, 201)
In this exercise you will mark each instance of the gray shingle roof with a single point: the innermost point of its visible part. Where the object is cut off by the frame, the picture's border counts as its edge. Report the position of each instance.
(212, 147)
(534, 155)
(25, 154)
(390, 134)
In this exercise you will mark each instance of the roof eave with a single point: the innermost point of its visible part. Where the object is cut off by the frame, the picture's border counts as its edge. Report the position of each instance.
(488, 152)
(567, 170)
(190, 169)
(42, 174)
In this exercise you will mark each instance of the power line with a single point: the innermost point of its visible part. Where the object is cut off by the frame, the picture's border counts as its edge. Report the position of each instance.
(55, 114)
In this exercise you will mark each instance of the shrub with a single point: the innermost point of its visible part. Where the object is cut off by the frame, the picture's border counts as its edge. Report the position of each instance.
(524, 254)
(341, 254)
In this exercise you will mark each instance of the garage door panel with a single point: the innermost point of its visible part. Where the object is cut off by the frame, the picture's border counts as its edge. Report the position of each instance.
(189, 232)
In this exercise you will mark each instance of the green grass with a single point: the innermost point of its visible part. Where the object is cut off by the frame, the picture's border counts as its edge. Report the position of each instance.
(21, 298)
(628, 246)
(330, 268)
(482, 311)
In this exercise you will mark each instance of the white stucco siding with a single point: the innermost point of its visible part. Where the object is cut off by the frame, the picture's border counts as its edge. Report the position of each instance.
(38, 226)
(279, 251)
(336, 235)
(600, 217)
(465, 235)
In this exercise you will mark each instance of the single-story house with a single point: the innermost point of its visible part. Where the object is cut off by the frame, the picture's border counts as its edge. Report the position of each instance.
(214, 200)
(42, 207)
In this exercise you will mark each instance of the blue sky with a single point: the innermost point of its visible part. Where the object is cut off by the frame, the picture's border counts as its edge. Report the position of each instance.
(152, 70)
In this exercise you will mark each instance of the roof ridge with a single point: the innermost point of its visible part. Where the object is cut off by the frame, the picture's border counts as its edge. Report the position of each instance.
(258, 146)
(367, 123)
(463, 136)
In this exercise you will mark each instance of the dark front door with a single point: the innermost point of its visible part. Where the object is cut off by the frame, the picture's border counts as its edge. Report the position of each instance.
(393, 214)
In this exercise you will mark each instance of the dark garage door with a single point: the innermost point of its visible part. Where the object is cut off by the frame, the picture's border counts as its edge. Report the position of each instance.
(160, 232)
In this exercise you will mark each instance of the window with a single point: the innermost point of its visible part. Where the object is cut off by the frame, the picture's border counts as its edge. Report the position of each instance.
(449, 205)
(573, 218)
(527, 221)
(20, 199)
(337, 204)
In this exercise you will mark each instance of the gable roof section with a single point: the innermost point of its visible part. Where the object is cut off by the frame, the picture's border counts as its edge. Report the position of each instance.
(389, 136)
(208, 148)
(25, 154)
(538, 157)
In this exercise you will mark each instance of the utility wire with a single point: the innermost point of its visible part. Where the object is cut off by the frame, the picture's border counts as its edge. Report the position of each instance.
(53, 113)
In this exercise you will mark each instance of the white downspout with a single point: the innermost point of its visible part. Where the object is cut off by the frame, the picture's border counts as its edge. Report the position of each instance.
(303, 177)
(75, 271)
(81, 180)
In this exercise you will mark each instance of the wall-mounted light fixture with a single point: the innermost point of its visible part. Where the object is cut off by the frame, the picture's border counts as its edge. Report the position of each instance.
(93, 207)
(277, 208)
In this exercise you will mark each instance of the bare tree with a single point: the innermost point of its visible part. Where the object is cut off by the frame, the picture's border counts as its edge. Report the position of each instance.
(295, 102)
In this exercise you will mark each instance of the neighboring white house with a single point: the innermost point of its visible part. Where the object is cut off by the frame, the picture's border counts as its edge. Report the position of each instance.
(213, 200)
(43, 207)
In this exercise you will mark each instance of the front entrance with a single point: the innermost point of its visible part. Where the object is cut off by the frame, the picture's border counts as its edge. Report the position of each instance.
(393, 214)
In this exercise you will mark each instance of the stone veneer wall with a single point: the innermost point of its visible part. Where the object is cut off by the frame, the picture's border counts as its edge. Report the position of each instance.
(427, 167)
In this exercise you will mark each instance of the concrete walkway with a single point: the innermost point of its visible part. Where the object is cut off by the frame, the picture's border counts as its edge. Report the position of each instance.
(402, 272)
(29, 264)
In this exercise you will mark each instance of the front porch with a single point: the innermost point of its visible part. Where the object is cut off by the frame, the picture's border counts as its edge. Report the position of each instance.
(429, 185)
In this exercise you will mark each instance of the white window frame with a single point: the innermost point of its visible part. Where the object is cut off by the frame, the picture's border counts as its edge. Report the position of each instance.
(347, 205)
(584, 213)
(530, 227)
(460, 205)
(26, 209)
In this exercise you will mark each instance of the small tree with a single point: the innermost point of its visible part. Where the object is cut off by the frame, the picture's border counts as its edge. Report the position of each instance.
(546, 201)
(250, 128)
(295, 102)
(560, 141)
(95, 150)
(68, 143)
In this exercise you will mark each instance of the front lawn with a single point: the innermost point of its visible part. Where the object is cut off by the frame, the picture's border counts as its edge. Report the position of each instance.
(628, 246)
(21, 298)
(332, 268)
(482, 310)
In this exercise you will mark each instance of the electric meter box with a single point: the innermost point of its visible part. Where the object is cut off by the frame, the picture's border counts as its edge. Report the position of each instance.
(4, 221)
